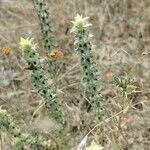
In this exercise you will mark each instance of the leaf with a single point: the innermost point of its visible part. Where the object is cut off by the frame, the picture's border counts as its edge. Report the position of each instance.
(82, 144)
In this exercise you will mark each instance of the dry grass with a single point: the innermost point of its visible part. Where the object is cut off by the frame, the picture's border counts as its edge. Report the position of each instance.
(121, 32)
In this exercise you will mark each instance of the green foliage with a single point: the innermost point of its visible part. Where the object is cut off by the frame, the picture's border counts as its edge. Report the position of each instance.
(123, 82)
(21, 137)
(84, 47)
(17, 144)
(39, 79)
(45, 22)
(41, 7)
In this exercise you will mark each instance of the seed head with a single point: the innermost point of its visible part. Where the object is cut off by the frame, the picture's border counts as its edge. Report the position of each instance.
(56, 54)
(7, 51)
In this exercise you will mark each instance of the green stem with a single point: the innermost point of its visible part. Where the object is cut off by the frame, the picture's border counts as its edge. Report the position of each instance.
(84, 47)
(45, 23)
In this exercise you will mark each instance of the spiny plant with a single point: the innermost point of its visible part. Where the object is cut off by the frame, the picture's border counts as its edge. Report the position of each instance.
(125, 84)
(44, 16)
(20, 137)
(40, 80)
(84, 47)
(45, 23)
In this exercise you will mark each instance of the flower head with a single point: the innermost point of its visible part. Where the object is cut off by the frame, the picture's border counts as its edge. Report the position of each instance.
(26, 44)
(94, 146)
(3, 112)
(56, 54)
(7, 50)
(80, 22)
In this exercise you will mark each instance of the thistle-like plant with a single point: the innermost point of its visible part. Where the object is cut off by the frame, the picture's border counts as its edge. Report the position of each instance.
(84, 47)
(39, 79)
(45, 23)
(123, 82)
(21, 138)
(44, 16)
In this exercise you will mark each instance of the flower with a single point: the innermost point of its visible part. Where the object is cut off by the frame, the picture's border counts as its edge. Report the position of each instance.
(56, 54)
(94, 146)
(7, 50)
(3, 112)
(80, 22)
(26, 43)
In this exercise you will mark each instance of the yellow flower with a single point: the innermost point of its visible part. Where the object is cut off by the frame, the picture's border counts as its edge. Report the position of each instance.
(26, 43)
(80, 22)
(7, 50)
(2, 112)
(56, 54)
(94, 146)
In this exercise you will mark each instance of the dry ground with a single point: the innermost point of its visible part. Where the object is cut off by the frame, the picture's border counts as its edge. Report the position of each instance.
(121, 30)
